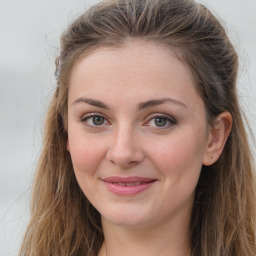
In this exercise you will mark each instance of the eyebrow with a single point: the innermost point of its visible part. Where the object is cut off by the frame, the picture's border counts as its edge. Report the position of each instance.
(92, 102)
(141, 106)
(152, 103)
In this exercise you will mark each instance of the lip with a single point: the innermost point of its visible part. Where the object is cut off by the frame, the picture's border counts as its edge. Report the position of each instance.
(126, 186)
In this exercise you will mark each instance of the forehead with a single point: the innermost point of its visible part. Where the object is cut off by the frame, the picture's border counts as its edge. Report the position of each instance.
(138, 50)
(142, 68)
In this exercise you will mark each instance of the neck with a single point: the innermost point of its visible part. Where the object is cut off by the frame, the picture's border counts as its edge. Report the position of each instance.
(166, 239)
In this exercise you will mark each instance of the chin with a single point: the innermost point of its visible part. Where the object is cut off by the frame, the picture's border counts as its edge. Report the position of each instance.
(127, 218)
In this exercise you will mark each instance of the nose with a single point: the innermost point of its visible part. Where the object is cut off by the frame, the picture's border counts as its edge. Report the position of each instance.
(125, 150)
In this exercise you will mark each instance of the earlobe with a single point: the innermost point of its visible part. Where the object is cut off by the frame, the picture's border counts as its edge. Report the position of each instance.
(217, 138)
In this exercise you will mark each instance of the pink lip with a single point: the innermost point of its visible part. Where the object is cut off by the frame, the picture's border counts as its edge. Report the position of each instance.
(127, 188)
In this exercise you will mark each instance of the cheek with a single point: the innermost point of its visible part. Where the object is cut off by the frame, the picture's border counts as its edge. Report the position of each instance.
(86, 154)
(178, 155)
(179, 161)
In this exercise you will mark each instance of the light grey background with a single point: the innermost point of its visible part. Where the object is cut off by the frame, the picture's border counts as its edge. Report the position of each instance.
(29, 34)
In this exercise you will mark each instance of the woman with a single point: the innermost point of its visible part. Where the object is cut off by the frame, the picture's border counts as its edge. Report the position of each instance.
(145, 150)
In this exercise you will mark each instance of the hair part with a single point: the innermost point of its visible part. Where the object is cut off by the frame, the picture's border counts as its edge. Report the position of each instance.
(63, 222)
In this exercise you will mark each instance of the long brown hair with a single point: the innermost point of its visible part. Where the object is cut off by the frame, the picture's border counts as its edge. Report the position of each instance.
(63, 222)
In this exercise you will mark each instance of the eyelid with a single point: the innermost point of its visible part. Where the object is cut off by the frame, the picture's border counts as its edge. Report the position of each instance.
(169, 118)
(87, 116)
(91, 114)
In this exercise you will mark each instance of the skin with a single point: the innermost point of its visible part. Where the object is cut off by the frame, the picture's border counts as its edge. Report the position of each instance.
(128, 141)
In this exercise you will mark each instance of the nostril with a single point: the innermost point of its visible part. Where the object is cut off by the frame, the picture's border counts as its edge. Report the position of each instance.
(125, 158)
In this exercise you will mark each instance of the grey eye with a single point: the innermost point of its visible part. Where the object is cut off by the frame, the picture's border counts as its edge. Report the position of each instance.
(98, 120)
(160, 121)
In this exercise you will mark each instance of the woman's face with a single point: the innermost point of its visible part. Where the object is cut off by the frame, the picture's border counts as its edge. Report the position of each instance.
(137, 134)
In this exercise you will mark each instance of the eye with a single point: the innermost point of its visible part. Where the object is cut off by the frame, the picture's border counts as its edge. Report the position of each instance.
(94, 120)
(98, 120)
(161, 121)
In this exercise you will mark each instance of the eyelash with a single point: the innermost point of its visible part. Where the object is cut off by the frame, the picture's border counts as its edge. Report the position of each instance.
(170, 120)
(90, 116)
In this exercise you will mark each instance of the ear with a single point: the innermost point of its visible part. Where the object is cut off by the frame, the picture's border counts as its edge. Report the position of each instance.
(67, 145)
(217, 137)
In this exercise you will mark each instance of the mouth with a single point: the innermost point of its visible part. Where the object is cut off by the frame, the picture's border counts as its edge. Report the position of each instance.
(128, 185)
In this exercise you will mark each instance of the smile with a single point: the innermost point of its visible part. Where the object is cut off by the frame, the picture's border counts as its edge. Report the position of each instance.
(128, 185)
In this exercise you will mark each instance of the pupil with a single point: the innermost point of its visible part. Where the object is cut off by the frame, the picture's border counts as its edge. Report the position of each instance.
(160, 121)
(98, 120)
